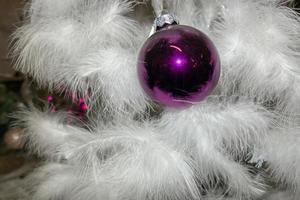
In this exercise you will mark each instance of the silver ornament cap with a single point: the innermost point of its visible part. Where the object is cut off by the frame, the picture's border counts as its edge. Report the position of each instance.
(163, 20)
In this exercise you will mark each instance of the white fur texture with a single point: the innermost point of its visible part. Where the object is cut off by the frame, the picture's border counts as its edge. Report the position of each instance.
(281, 150)
(69, 45)
(128, 162)
(184, 155)
(219, 135)
(90, 47)
(259, 47)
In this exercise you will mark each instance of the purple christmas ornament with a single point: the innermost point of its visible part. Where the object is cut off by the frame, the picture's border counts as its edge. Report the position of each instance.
(178, 66)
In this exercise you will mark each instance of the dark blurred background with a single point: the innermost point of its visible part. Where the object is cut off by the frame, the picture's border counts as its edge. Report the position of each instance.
(17, 92)
(10, 88)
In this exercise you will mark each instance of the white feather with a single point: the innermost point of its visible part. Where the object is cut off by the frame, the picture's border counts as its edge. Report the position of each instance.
(281, 152)
(84, 46)
(135, 164)
(217, 134)
(132, 162)
(50, 134)
(258, 43)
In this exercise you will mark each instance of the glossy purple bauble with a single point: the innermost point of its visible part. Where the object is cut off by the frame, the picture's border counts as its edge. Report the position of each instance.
(178, 66)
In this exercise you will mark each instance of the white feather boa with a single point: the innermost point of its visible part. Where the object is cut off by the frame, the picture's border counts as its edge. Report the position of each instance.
(203, 152)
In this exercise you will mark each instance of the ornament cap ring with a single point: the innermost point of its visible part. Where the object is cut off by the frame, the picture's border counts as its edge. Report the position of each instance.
(164, 20)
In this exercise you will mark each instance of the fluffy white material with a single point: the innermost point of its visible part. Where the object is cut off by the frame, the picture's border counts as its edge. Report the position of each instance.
(69, 45)
(183, 155)
(281, 150)
(128, 162)
(259, 47)
(49, 135)
(219, 136)
(90, 47)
